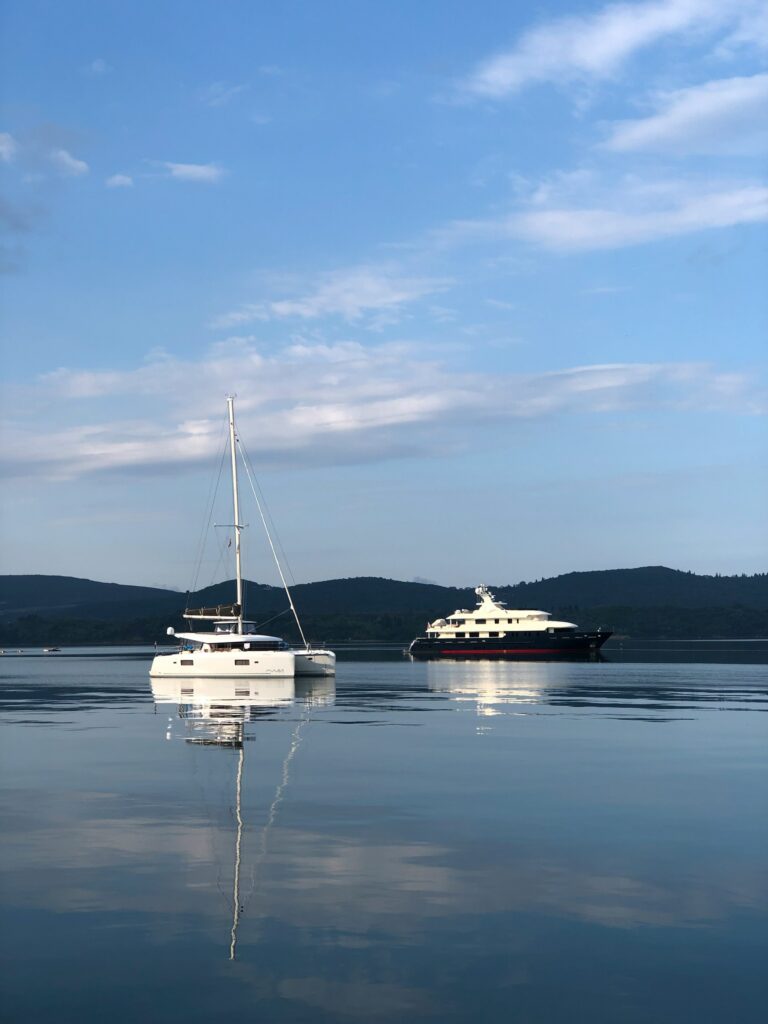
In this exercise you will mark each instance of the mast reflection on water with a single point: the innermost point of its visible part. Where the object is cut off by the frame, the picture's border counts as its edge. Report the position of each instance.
(215, 713)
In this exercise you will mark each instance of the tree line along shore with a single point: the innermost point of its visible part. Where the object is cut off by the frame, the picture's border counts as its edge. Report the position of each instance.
(647, 602)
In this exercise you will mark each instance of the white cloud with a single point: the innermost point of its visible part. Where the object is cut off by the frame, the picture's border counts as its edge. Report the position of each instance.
(218, 94)
(8, 148)
(67, 164)
(582, 211)
(326, 403)
(119, 181)
(634, 219)
(206, 173)
(98, 67)
(350, 293)
(729, 114)
(594, 46)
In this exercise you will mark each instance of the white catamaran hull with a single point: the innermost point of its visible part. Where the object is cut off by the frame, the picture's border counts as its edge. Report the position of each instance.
(224, 665)
(314, 662)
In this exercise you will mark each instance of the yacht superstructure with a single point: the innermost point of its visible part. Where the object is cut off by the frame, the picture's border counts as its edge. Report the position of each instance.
(494, 631)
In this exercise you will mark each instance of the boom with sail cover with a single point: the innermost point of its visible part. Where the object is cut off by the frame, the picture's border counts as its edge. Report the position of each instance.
(220, 611)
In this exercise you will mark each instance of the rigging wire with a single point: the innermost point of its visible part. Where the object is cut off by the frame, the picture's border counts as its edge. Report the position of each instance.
(272, 546)
(270, 519)
(266, 622)
(207, 522)
(223, 544)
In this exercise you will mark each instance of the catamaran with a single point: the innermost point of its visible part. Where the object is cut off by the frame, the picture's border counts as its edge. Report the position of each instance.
(231, 647)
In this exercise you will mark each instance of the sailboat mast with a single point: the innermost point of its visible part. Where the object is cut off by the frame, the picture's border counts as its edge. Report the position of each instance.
(236, 504)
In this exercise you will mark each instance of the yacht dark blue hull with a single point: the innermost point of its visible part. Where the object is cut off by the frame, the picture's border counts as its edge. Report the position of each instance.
(548, 645)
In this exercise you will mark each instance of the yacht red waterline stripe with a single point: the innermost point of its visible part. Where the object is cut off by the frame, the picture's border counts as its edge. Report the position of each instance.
(515, 650)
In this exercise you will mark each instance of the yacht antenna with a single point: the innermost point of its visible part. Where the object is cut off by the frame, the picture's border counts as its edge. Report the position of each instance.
(236, 504)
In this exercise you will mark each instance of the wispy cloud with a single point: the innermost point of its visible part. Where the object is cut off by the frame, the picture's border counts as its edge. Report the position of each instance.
(635, 217)
(218, 94)
(205, 173)
(8, 148)
(349, 293)
(594, 46)
(67, 164)
(329, 403)
(98, 67)
(726, 115)
(119, 181)
(586, 211)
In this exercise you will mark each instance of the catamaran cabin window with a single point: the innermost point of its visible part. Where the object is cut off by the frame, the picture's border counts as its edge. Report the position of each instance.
(474, 634)
(459, 634)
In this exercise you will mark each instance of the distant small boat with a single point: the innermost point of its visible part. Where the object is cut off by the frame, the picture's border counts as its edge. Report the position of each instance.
(494, 631)
(51, 650)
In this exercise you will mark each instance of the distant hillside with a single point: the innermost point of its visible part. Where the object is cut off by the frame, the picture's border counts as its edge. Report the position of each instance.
(650, 601)
(650, 586)
(647, 587)
(67, 594)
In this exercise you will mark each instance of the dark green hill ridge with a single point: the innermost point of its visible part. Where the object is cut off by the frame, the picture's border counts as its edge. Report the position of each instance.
(648, 601)
(66, 594)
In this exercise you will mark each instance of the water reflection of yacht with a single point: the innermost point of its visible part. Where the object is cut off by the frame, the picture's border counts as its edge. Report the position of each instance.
(215, 713)
(491, 683)
(204, 693)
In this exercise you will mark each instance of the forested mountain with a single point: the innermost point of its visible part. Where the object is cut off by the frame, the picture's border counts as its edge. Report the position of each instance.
(649, 601)
(66, 594)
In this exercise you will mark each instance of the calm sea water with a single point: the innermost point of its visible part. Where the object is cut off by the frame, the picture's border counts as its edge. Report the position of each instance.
(440, 842)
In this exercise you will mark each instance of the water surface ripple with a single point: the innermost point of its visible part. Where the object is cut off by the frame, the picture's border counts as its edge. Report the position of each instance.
(540, 843)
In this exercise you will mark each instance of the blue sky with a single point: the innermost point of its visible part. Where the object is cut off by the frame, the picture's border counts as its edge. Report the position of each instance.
(487, 280)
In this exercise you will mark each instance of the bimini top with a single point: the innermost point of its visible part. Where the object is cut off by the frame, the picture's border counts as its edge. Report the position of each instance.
(229, 638)
(225, 631)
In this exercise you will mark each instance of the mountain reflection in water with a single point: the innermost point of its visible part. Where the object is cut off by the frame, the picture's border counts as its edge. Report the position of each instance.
(440, 841)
